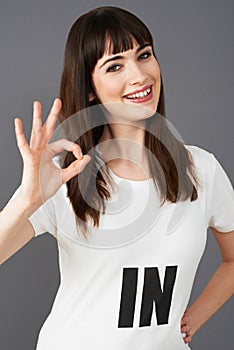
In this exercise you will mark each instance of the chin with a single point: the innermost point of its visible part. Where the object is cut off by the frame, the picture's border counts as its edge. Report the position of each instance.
(129, 112)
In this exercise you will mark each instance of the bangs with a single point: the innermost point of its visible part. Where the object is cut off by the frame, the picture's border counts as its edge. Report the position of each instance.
(108, 33)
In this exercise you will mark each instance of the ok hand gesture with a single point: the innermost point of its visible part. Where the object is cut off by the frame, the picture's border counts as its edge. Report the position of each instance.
(41, 178)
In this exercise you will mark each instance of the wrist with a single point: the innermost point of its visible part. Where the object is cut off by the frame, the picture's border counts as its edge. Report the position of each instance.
(25, 206)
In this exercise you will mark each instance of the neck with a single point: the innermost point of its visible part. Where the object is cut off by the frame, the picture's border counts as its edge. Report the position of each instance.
(123, 143)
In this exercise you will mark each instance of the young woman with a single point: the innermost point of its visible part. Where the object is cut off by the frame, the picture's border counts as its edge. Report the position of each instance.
(131, 227)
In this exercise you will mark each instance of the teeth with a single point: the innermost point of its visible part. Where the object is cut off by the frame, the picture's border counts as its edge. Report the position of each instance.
(140, 94)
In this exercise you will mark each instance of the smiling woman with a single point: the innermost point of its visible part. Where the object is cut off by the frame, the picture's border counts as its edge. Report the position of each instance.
(134, 77)
(132, 231)
(104, 34)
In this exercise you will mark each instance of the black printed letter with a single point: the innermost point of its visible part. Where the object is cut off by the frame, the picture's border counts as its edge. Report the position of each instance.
(152, 292)
(128, 297)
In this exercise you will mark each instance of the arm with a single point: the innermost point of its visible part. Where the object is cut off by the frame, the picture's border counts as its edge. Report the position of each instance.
(41, 178)
(16, 229)
(218, 290)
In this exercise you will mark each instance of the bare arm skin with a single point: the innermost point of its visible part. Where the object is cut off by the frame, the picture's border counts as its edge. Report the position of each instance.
(16, 229)
(40, 176)
(218, 290)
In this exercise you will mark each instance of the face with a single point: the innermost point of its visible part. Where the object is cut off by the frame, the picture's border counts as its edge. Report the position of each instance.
(130, 78)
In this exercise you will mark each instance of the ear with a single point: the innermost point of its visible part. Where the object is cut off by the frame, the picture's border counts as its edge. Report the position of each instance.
(91, 97)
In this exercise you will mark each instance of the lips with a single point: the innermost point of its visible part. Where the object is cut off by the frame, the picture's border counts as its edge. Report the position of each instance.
(141, 95)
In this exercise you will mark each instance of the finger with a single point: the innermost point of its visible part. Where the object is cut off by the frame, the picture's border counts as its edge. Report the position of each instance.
(52, 118)
(37, 116)
(35, 138)
(185, 329)
(20, 137)
(63, 144)
(75, 168)
(187, 339)
(184, 320)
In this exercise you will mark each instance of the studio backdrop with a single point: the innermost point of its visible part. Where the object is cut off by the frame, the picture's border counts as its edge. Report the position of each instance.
(194, 45)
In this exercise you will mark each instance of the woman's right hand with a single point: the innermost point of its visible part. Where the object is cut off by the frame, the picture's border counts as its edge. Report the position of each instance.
(41, 178)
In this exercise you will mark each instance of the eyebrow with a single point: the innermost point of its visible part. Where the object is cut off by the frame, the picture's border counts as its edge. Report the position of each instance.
(114, 58)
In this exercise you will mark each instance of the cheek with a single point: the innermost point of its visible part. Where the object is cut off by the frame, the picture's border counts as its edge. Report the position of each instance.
(157, 73)
(111, 88)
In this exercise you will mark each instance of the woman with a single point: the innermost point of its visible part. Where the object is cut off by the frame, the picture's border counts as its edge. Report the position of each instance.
(126, 277)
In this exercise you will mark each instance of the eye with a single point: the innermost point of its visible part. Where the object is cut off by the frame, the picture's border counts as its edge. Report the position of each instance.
(145, 55)
(113, 68)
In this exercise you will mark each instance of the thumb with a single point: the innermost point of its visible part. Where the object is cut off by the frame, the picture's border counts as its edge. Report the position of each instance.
(75, 168)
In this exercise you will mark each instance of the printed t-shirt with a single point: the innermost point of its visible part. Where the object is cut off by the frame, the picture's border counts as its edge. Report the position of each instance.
(129, 284)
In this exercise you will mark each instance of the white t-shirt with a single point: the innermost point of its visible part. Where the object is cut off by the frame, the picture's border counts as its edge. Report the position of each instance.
(127, 287)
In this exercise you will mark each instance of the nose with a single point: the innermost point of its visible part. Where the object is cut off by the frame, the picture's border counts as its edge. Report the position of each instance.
(136, 74)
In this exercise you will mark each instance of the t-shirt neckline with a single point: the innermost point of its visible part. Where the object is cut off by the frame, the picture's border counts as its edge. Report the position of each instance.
(150, 179)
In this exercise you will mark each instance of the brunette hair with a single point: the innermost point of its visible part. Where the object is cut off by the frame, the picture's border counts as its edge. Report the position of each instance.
(86, 44)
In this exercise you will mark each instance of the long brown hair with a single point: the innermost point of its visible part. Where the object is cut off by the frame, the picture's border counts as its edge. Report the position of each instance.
(173, 172)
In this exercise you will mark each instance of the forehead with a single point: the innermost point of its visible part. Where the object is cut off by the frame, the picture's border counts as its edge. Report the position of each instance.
(109, 50)
(106, 45)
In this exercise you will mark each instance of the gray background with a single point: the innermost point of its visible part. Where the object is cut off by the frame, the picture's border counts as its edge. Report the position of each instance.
(194, 44)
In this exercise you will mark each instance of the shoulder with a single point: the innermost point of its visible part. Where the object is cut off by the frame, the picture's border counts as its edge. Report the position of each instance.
(198, 151)
(201, 156)
(204, 163)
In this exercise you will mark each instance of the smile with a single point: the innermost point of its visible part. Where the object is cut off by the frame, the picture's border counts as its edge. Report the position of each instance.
(140, 95)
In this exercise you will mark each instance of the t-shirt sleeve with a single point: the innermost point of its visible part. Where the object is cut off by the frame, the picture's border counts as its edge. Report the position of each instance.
(44, 218)
(220, 200)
